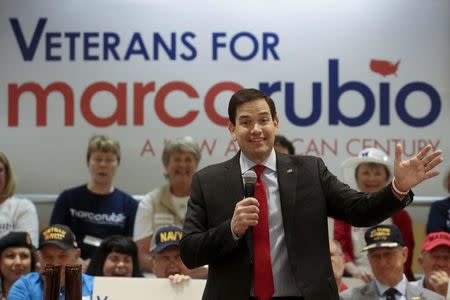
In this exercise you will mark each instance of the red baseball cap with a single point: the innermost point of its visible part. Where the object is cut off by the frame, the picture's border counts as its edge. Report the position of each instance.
(435, 239)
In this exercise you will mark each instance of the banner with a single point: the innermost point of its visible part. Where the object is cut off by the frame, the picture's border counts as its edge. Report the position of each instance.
(344, 75)
(114, 288)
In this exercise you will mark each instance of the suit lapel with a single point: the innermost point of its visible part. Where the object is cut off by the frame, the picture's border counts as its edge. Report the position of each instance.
(413, 292)
(370, 291)
(235, 191)
(233, 180)
(287, 174)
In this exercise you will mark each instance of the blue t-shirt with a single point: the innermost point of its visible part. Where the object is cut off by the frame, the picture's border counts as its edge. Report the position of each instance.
(31, 287)
(439, 217)
(98, 216)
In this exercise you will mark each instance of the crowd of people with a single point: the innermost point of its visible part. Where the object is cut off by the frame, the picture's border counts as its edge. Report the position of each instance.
(110, 233)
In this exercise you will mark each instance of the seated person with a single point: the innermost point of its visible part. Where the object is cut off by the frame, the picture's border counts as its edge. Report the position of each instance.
(167, 204)
(369, 172)
(57, 246)
(165, 253)
(338, 264)
(439, 216)
(117, 256)
(97, 209)
(16, 214)
(435, 262)
(283, 145)
(387, 255)
(17, 258)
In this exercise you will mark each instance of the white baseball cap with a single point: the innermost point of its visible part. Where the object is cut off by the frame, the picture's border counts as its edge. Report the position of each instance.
(368, 155)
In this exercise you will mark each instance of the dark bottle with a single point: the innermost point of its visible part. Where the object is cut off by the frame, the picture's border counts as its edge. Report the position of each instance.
(72, 282)
(52, 284)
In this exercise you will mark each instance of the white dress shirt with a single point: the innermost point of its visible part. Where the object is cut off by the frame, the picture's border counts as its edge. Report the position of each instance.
(400, 287)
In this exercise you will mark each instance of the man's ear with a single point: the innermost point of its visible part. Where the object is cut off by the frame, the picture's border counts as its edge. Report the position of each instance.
(405, 253)
(420, 260)
(232, 129)
(275, 123)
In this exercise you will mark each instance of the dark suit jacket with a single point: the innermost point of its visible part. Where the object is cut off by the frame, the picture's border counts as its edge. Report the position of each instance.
(308, 194)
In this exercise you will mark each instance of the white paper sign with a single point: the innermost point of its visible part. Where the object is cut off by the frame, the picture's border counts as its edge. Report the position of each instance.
(115, 288)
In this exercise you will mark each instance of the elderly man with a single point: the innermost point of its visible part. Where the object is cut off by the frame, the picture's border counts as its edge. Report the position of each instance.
(387, 254)
(57, 246)
(435, 262)
(165, 253)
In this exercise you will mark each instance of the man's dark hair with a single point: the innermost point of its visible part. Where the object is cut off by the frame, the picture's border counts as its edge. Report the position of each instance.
(115, 243)
(247, 95)
(284, 142)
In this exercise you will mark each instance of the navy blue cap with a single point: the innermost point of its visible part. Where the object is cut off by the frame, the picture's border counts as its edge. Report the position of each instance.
(386, 236)
(166, 236)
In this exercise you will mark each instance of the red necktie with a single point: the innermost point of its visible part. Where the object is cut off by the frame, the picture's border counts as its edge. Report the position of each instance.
(263, 278)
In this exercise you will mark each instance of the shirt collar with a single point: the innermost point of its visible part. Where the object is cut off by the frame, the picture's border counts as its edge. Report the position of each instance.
(269, 163)
(420, 282)
(400, 287)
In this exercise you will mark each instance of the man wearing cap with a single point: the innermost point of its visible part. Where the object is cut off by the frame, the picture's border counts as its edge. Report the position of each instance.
(387, 255)
(57, 246)
(435, 262)
(165, 253)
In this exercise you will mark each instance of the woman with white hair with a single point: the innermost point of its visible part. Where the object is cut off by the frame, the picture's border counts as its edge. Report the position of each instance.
(167, 204)
(369, 172)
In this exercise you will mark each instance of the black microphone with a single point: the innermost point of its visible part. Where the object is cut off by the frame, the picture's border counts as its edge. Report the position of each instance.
(249, 183)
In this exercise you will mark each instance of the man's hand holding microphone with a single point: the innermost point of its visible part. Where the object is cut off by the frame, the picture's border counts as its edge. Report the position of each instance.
(246, 211)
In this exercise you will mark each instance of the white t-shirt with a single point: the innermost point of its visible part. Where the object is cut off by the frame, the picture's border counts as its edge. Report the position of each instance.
(146, 217)
(18, 214)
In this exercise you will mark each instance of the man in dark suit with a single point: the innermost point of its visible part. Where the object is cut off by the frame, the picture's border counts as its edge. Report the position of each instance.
(286, 222)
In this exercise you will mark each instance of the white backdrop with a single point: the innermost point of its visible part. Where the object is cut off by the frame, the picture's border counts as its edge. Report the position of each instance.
(299, 44)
